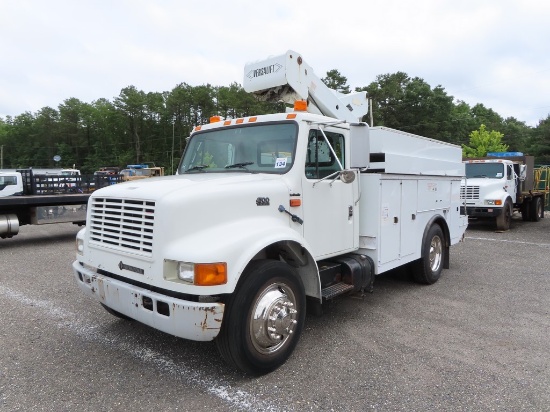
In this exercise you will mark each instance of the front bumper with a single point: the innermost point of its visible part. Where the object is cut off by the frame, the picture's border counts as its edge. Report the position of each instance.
(185, 319)
(473, 211)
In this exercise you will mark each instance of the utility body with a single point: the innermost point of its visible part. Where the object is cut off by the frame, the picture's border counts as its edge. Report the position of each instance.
(499, 184)
(267, 213)
(33, 199)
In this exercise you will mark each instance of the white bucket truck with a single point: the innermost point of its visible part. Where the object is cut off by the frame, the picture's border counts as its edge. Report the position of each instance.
(268, 212)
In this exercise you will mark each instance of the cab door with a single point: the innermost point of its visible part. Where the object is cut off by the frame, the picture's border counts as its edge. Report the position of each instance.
(331, 216)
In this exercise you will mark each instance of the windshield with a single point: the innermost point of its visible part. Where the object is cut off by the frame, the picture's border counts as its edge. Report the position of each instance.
(264, 148)
(7, 181)
(489, 170)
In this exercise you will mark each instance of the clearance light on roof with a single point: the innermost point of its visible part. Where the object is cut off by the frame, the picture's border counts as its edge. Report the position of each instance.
(291, 116)
(227, 123)
(300, 106)
(215, 119)
(252, 119)
(197, 127)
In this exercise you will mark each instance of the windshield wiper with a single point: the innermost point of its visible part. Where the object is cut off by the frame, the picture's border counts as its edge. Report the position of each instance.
(197, 167)
(241, 165)
(480, 176)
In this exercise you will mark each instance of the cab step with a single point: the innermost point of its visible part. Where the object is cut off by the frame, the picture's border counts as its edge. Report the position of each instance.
(335, 290)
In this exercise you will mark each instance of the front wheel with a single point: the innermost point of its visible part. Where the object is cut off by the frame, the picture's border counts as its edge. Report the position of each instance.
(505, 218)
(263, 318)
(427, 270)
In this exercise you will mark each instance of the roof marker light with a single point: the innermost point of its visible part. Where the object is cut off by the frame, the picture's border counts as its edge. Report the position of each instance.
(300, 106)
(215, 119)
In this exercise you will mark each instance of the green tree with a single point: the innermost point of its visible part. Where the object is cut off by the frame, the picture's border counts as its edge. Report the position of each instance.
(487, 116)
(411, 105)
(483, 141)
(336, 81)
(539, 143)
(131, 103)
(516, 134)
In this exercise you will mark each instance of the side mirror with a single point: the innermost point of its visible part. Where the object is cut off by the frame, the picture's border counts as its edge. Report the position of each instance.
(347, 176)
(522, 172)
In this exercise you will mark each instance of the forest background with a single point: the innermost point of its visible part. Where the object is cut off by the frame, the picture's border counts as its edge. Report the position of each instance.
(137, 127)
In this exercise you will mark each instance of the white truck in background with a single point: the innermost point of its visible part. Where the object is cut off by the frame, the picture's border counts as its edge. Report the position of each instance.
(499, 184)
(11, 184)
(267, 213)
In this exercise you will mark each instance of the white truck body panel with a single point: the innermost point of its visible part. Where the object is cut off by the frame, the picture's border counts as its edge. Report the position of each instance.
(406, 153)
(396, 212)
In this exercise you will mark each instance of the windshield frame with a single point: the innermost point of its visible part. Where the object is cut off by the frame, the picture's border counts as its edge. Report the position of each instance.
(266, 147)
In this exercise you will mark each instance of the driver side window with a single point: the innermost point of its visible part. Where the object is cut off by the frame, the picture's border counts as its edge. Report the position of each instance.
(320, 160)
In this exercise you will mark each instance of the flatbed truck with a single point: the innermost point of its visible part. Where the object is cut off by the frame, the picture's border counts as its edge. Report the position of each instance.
(500, 184)
(34, 199)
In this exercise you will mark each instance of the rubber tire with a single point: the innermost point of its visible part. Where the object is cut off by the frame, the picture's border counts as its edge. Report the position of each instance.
(422, 270)
(504, 220)
(234, 341)
(526, 211)
(537, 209)
(115, 313)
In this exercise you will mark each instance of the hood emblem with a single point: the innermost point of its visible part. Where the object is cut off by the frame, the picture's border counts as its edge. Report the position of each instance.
(124, 266)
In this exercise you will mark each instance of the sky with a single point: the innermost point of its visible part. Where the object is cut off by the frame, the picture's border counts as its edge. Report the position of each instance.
(493, 52)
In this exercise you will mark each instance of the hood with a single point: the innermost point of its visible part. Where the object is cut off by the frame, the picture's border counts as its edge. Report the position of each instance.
(185, 205)
(182, 185)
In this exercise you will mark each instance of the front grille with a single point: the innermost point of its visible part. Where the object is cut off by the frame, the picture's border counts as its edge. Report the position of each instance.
(469, 192)
(123, 224)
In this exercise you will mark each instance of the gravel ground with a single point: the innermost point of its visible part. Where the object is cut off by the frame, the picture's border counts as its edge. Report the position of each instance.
(477, 340)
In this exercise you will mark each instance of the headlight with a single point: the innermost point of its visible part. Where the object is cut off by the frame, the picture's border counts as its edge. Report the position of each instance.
(186, 272)
(491, 202)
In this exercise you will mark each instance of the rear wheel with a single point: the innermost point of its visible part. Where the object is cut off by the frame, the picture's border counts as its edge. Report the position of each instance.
(427, 270)
(537, 209)
(263, 318)
(505, 218)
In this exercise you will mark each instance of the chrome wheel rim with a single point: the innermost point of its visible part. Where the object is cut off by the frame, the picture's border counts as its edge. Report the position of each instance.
(273, 318)
(436, 253)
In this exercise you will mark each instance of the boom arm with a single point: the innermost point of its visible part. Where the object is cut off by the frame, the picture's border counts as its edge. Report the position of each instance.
(288, 78)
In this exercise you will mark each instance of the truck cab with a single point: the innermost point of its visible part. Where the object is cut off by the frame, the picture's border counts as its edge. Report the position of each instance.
(11, 184)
